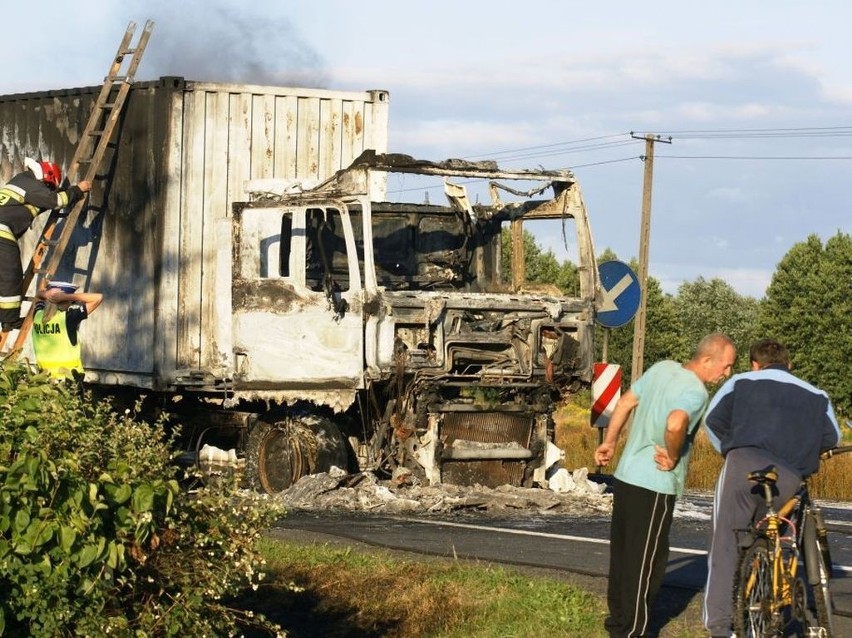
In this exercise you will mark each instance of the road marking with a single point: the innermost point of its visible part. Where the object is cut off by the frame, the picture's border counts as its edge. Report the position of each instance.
(599, 541)
(523, 532)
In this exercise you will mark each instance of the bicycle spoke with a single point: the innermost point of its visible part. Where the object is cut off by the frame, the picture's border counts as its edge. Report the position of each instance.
(753, 595)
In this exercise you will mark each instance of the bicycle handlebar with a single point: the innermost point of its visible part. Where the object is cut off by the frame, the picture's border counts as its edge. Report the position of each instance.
(842, 449)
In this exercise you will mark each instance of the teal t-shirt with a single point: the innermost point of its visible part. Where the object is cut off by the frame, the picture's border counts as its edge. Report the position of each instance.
(666, 386)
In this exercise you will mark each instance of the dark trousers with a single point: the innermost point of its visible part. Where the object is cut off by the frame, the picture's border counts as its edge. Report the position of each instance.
(639, 551)
(737, 502)
(11, 281)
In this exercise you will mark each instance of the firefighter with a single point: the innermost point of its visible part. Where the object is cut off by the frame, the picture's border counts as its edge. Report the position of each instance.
(33, 191)
(56, 326)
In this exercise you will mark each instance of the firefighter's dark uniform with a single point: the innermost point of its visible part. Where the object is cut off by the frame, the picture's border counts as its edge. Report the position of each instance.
(21, 200)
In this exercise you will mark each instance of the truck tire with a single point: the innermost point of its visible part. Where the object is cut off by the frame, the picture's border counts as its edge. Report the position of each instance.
(279, 454)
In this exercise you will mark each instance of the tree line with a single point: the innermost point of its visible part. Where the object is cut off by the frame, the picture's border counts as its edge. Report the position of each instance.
(807, 306)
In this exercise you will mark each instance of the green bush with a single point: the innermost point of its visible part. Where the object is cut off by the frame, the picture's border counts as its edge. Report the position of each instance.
(98, 538)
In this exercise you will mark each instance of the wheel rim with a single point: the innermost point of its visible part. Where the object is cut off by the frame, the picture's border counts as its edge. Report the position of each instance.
(759, 596)
(275, 466)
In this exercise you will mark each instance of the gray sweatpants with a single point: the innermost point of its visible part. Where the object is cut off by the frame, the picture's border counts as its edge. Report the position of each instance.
(737, 502)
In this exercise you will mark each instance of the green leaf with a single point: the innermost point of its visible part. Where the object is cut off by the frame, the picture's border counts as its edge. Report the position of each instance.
(123, 516)
(170, 497)
(67, 536)
(115, 556)
(143, 498)
(22, 520)
(43, 533)
(122, 494)
(87, 555)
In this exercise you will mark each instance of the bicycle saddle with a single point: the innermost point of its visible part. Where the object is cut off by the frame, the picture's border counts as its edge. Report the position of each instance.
(768, 475)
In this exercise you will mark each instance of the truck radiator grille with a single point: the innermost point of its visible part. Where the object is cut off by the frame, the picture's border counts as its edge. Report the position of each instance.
(486, 427)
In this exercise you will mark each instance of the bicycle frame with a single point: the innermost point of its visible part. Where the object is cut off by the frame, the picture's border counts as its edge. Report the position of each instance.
(770, 591)
(781, 531)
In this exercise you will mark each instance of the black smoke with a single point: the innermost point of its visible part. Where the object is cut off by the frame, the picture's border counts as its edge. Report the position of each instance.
(226, 41)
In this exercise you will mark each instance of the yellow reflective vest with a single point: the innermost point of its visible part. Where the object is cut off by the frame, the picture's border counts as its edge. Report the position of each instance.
(54, 352)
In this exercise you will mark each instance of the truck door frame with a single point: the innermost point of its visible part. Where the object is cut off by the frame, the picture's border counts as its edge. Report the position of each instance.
(284, 333)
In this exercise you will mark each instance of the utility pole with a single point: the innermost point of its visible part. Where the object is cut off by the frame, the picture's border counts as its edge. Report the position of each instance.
(644, 241)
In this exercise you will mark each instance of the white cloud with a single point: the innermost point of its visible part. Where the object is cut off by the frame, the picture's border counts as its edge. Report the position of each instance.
(746, 281)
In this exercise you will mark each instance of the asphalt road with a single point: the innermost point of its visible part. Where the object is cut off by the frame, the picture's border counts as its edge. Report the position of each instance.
(557, 543)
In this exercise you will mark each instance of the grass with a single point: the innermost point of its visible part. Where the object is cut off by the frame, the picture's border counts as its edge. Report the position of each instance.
(331, 591)
(578, 440)
(348, 593)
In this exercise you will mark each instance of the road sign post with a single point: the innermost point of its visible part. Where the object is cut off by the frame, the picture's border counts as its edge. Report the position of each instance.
(619, 301)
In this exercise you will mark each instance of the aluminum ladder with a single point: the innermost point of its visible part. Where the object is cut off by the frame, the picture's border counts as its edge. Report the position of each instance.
(94, 142)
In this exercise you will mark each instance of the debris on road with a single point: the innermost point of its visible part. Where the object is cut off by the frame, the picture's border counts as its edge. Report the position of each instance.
(569, 493)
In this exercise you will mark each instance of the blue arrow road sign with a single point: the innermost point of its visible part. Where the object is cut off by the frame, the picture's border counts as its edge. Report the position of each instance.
(620, 294)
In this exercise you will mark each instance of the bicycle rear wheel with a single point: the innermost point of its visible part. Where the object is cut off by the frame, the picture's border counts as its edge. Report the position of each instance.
(753, 591)
(818, 565)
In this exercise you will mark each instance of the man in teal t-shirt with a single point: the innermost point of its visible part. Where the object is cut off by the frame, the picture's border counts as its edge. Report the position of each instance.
(669, 400)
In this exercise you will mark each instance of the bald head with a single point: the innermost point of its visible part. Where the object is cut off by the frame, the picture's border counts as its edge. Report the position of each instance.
(714, 358)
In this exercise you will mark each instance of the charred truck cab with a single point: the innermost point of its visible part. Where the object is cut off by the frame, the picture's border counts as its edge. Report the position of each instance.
(382, 335)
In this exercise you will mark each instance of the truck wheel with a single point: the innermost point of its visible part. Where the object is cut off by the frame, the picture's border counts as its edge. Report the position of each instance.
(279, 454)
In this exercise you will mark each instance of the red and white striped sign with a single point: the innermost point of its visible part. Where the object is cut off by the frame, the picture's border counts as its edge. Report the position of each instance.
(606, 390)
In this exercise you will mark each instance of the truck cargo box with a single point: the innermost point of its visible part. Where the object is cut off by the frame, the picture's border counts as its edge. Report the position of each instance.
(156, 237)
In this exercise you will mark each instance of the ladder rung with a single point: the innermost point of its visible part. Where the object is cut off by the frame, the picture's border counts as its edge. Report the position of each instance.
(107, 103)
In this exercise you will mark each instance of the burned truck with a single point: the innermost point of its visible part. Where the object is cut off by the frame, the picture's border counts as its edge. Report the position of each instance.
(399, 325)
(265, 289)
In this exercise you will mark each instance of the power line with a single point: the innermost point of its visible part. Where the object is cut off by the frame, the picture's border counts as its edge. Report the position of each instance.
(746, 133)
(478, 181)
(759, 157)
(555, 144)
(579, 149)
(613, 141)
(583, 144)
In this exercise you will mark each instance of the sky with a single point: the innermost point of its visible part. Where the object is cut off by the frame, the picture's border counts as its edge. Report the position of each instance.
(755, 98)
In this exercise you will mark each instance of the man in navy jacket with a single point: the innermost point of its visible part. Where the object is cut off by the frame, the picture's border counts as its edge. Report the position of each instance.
(765, 417)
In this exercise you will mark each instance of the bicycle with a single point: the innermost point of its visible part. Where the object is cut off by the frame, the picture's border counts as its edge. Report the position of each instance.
(771, 592)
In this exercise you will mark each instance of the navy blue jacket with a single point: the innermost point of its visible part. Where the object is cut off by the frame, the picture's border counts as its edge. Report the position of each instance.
(775, 411)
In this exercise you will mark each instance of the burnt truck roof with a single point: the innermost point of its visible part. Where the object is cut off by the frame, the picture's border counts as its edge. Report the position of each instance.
(400, 163)
(354, 181)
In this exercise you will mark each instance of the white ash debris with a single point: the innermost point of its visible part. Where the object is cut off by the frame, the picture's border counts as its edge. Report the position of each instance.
(577, 481)
(569, 493)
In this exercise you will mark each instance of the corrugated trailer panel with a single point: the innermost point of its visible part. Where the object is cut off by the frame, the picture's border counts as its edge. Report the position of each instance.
(160, 248)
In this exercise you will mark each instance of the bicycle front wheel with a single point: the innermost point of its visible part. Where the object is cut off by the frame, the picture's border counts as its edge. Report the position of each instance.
(753, 591)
